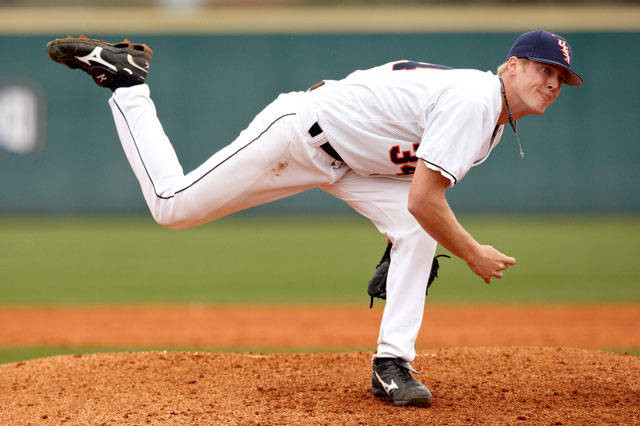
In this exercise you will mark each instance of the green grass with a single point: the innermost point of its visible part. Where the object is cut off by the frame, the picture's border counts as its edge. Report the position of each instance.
(245, 259)
(560, 259)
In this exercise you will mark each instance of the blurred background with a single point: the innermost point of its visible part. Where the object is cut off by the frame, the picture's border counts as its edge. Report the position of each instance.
(74, 226)
(216, 65)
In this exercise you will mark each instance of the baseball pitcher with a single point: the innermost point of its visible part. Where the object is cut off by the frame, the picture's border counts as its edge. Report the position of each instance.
(389, 141)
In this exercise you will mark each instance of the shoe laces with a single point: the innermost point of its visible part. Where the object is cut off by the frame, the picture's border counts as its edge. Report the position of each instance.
(403, 371)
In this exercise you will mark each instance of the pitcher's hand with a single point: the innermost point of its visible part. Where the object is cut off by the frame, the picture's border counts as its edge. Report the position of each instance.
(488, 262)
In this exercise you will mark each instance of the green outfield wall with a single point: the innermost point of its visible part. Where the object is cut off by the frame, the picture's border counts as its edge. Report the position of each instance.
(59, 150)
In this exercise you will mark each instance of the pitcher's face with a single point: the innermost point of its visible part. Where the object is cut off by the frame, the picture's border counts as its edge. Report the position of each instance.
(538, 85)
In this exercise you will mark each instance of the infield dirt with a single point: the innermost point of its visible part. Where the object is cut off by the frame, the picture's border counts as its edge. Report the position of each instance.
(520, 374)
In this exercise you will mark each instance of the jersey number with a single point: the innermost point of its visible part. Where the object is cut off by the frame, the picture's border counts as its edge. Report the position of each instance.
(403, 157)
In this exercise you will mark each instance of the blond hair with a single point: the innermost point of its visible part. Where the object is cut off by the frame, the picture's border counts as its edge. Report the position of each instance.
(502, 68)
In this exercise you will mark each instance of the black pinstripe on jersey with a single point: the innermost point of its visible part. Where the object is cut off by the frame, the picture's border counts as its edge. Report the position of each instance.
(205, 173)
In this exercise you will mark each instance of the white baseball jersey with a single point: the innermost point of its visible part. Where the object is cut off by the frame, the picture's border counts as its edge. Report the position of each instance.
(383, 119)
(380, 121)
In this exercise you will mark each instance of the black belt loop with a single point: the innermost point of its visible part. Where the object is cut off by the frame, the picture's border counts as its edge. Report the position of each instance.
(314, 131)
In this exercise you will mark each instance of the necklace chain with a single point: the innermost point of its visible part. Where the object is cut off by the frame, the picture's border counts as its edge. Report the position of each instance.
(511, 120)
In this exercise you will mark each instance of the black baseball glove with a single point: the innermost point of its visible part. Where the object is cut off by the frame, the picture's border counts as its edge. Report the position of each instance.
(378, 283)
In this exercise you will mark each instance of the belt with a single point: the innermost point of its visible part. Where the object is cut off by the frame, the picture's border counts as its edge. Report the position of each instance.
(314, 131)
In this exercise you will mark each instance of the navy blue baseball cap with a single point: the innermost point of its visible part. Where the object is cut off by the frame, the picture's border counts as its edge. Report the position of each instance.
(543, 46)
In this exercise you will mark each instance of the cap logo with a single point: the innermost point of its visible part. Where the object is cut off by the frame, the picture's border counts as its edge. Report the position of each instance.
(564, 48)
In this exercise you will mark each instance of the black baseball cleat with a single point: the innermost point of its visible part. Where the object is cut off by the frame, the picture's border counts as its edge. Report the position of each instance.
(391, 379)
(111, 65)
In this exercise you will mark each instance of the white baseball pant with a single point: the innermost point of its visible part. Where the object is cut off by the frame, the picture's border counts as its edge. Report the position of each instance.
(273, 158)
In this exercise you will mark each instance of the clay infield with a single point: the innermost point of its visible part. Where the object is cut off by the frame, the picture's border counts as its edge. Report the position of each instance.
(484, 364)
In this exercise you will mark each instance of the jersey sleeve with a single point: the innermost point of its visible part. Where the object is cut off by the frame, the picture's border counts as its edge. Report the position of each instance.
(456, 128)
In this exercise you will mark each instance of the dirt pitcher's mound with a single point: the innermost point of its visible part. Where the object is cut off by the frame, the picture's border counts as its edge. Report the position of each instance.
(470, 385)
